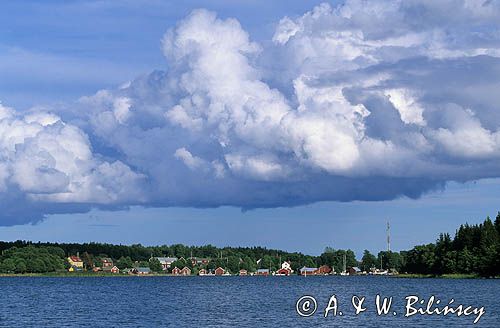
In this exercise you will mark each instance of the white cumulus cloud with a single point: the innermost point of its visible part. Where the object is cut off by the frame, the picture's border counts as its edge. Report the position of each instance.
(364, 100)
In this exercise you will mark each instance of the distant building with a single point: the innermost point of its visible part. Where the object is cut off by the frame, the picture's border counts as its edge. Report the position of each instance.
(141, 271)
(219, 271)
(76, 263)
(185, 271)
(199, 261)
(285, 270)
(113, 269)
(106, 262)
(324, 269)
(305, 271)
(262, 272)
(166, 262)
(176, 271)
(202, 272)
(353, 271)
(243, 272)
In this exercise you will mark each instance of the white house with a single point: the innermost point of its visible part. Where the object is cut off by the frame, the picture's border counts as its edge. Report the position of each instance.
(166, 262)
(286, 266)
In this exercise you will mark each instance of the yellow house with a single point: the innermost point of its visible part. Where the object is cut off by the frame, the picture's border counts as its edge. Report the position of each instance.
(75, 262)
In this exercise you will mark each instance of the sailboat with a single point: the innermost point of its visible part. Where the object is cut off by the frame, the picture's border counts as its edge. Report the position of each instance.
(344, 272)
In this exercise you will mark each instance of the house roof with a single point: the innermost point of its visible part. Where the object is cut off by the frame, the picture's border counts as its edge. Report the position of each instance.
(186, 268)
(165, 260)
(143, 269)
(308, 269)
(75, 258)
(263, 270)
(356, 269)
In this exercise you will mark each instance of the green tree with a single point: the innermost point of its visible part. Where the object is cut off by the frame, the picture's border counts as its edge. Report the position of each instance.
(155, 265)
(8, 265)
(368, 261)
(124, 262)
(20, 265)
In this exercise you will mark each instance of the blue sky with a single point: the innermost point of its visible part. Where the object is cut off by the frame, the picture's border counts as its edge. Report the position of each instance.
(60, 50)
(286, 124)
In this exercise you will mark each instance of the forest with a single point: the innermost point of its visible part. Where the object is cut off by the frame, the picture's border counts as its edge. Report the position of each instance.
(474, 249)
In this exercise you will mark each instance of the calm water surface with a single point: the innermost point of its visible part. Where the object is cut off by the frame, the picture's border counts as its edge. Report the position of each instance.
(230, 301)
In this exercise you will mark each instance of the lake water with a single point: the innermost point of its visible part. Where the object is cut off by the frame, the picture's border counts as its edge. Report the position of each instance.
(232, 301)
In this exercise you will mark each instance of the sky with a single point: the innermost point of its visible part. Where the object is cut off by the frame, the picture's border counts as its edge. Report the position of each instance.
(287, 124)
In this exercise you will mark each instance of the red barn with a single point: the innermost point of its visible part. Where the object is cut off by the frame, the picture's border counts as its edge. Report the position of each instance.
(219, 271)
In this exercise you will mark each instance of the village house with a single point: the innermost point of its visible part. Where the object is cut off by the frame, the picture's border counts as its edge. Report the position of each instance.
(166, 262)
(141, 271)
(176, 271)
(353, 271)
(285, 270)
(76, 263)
(199, 261)
(113, 269)
(262, 272)
(185, 271)
(305, 271)
(243, 272)
(219, 271)
(106, 262)
(324, 270)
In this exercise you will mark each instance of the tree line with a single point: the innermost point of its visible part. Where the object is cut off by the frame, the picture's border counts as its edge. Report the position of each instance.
(475, 249)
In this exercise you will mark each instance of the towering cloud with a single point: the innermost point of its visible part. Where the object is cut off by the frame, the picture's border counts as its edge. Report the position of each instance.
(364, 101)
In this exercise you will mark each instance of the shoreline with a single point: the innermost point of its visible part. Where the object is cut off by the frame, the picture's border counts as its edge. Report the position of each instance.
(99, 275)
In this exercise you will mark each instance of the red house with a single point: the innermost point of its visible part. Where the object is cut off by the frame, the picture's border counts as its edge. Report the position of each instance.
(219, 271)
(176, 271)
(185, 271)
(324, 269)
(263, 272)
(113, 269)
(283, 272)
